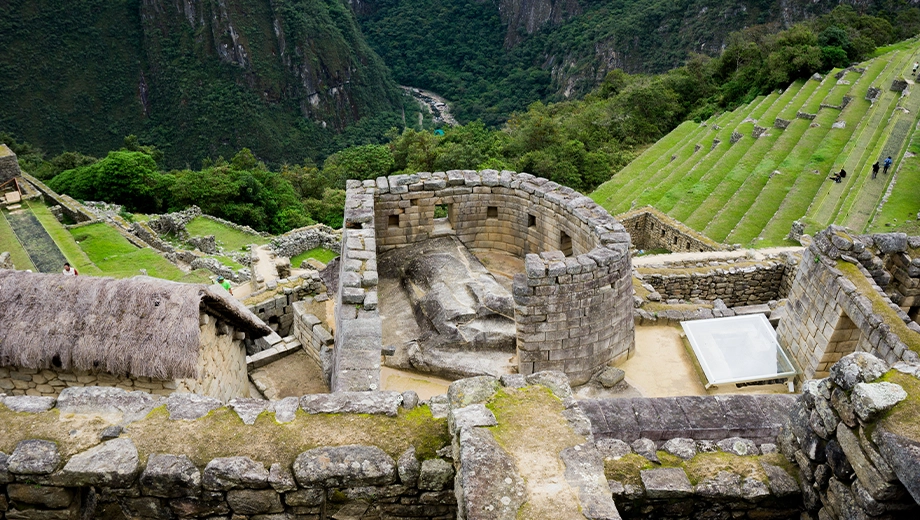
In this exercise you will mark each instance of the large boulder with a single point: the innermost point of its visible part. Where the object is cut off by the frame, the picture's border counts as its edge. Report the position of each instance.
(170, 476)
(34, 457)
(457, 302)
(858, 367)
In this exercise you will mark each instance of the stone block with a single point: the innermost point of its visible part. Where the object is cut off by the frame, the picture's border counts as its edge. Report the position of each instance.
(344, 466)
(666, 483)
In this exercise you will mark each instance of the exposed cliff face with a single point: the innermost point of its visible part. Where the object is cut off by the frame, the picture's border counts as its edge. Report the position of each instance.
(527, 16)
(307, 51)
(195, 77)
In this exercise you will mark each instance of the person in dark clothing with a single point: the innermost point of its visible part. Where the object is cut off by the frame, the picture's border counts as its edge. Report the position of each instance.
(887, 165)
(875, 168)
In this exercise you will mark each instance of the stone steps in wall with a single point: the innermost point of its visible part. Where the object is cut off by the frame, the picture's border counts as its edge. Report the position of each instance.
(280, 350)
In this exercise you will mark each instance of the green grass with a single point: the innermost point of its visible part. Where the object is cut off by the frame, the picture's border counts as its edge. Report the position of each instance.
(64, 240)
(9, 243)
(229, 262)
(900, 211)
(226, 236)
(323, 255)
(728, 193)
(906, 44)
(117, 257)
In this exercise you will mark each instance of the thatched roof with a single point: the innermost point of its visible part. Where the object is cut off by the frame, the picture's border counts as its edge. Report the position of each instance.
(139, 326)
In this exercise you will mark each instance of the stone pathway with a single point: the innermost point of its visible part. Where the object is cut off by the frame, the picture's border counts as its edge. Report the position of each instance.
(265, 268)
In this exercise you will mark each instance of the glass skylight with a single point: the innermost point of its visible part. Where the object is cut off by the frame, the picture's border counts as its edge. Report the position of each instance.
(739, 349)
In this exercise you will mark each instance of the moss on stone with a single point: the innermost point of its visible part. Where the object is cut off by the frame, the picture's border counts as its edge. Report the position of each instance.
(222, 433)
(904, 418)
(625, 470)
(879, 306)
(701, 467)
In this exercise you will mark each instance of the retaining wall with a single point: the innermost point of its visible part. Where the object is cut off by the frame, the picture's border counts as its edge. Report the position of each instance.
(573, 302)
(70, 207)
(122, 478)
(743, 285)
(652, 229)
(9, 165)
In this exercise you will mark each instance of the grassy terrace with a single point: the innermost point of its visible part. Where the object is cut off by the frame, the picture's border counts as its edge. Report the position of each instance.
(231, 239)
(117, 257)
(751, 192)
(900, 212)
(323, 255)
(870, 136)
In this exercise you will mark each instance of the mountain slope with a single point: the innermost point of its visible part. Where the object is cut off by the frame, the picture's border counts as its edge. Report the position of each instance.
(744, 177)
(196, 78)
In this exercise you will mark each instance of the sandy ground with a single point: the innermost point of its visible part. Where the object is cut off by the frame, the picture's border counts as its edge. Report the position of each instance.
(753, 254)
(662, 367)
(424, 385)
(292, 376)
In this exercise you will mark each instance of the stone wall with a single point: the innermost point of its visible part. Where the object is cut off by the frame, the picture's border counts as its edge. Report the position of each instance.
(221, 362)
(50, 382)
(9, 165)
(358, 332)
(315, 337)
(851, 465)
(275, 306)
(304, 239)
(573, 302)
(652, 229)
(221, 371)
(752, 284)
(836, 307)
(118, 479)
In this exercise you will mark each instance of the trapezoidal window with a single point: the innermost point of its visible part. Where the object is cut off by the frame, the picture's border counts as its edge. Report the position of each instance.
(565, 244)
(442, 218)
(531, 220)
(393, 221)
(492, 212)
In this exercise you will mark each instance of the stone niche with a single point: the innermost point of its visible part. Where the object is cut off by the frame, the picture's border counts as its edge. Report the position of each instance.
(573, 308)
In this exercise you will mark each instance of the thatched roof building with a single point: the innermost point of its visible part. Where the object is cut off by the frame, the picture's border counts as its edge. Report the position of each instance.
(142, 327)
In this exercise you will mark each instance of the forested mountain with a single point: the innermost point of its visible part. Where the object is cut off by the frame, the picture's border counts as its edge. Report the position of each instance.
(295, 80)
(196, 78)
(492, 57)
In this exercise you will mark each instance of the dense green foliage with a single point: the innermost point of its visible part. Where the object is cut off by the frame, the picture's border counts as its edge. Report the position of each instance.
(458, 47)
(81, 75)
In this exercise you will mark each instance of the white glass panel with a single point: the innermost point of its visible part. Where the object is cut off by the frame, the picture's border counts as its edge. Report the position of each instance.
(737, 349)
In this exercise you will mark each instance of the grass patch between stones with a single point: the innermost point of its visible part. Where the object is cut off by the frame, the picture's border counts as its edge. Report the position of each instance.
(225, 235)
(319, 253)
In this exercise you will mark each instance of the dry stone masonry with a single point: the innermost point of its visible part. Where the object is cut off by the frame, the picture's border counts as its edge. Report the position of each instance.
(652, 229)
(572, 304)
(9, 165)
(843, 300)
(851, 464)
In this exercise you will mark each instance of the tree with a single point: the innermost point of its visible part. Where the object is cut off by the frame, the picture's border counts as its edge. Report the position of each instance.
(360, 162)
(123, 177)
